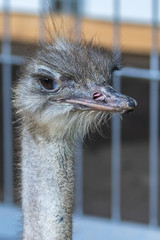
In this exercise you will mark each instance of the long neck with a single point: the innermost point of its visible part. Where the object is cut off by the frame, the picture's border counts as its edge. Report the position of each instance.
(47, 188)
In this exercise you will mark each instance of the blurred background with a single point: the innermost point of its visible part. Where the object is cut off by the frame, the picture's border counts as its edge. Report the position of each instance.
(117, 175)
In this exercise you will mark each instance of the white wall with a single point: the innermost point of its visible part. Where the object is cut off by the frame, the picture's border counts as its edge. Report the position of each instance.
(139, 10)
(130, 10)
(28, 6)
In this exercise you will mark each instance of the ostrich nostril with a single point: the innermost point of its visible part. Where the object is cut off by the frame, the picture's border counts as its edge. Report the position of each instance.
(98, 96)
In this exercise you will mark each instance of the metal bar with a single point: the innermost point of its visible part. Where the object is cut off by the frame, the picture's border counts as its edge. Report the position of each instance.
(116, 161)
(7, 112)
(130, 72)
(54, 5)
(78, 207)
(42, 14)
(78, 158)
(116, 132)
(154, 127)
(78, 19)
(116, 21)
(147, 74)
(13, 60)
(66, 6)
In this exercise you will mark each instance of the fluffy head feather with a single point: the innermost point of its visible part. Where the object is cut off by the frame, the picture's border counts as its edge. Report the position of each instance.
(79, 70)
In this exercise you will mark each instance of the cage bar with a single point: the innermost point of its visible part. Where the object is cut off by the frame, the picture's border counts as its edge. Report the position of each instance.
(116, 130)
(146, 74)
(78, 17)
(154, 127)
(6, 99)
(41, 21)
(12, 59)
(66, 6)
(78, 156)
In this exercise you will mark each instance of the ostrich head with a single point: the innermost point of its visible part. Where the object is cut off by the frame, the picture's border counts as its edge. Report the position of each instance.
(64, 89)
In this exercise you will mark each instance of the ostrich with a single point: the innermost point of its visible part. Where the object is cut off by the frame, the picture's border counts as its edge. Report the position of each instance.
(63, 92)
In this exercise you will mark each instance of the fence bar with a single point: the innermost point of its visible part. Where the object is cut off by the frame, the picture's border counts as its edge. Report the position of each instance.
(78, 156)
(41, 25)
(131, 72)
(7, 112)
(66, 6)
(78, 16)
(116, 133)
(154, 111)
(116, 162)
(13, 60)
(53, 2)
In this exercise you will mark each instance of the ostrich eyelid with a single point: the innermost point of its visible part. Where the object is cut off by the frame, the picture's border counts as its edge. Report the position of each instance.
(47, 72)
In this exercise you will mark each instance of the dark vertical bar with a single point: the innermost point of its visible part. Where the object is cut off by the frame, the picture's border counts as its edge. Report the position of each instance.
(116, 129)
(7, 111)
(78, 16)
(54, 5)
(78, 158)
(42, 13)
(78, 209)
(66, 6)
(154, 127)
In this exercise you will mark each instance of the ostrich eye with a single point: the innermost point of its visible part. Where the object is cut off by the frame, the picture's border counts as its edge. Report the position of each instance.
(48, 84)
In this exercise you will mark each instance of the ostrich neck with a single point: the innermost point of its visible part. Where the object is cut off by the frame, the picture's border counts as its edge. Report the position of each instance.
(47, 188)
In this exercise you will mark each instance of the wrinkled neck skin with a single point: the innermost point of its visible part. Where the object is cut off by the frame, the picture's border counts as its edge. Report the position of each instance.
(47, 187)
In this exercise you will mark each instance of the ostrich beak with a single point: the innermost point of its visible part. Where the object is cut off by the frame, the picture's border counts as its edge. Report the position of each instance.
(103, 99)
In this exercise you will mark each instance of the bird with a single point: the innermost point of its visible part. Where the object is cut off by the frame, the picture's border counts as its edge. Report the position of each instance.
(64, 91)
